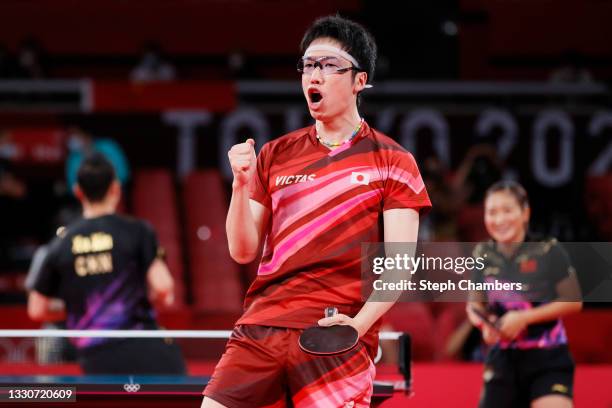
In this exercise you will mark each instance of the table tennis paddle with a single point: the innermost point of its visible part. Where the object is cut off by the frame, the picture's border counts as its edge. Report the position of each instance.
(328, 340)
(484, 317)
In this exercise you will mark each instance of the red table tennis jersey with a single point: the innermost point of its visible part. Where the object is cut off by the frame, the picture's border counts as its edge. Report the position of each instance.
(324, 204)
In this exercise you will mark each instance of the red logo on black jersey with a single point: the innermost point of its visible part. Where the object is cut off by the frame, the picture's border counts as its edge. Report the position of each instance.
(529, 266)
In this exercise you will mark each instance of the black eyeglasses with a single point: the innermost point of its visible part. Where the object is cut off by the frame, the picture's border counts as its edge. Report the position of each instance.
(327, 65)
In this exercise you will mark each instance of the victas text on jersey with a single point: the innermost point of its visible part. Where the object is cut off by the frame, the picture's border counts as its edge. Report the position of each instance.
(293, 179)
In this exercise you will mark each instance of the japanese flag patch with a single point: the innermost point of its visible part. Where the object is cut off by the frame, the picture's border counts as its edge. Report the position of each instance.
(360, 178)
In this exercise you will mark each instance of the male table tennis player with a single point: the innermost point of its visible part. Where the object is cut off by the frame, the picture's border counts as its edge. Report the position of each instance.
(100, 266)
(311, 198)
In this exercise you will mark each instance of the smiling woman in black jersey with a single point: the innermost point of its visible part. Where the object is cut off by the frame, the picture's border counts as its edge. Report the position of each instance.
(528, 363)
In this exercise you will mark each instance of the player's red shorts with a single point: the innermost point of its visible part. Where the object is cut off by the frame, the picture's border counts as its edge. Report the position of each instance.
(265, 367)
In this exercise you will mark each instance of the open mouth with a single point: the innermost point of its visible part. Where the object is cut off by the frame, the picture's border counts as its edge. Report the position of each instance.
(315, 96)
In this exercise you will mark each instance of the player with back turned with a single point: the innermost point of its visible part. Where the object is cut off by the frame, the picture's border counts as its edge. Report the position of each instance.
(309, 200)
(103, 267)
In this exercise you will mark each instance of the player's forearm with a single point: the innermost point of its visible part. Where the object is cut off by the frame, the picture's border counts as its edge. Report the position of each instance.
(369, 314)
(472, 317)
(551, 311)
(400, 226)
(242, 235)
(43, 309)
(161, 282)
(476, 300)
(55, 316)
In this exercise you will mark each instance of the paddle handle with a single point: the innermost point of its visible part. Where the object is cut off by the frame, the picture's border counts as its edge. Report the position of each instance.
(331, 311)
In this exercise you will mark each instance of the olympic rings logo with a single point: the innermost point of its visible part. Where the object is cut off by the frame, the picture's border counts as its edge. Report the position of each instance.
(131, 387)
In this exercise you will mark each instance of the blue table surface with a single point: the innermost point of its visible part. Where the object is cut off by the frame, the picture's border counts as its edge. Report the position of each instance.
(114, 383)
(106, 379)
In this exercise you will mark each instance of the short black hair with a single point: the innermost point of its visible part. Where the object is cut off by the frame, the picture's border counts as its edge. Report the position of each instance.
(512, 187)
(95, 176)
(354, 38)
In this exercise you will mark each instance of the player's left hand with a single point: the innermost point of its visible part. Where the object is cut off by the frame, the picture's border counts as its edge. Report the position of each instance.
(165, 299)
(342, 319)
(512, 324)
(168, 299)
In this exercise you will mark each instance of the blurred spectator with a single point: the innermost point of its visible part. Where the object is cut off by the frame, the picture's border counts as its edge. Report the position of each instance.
(30, 60)
(81, 142)
(572, 69)
(153, 66)
(13, 194)
(239, 66)
(439, 225)
(464, 343)
(480, 168)
(10, 186)
(7, 65)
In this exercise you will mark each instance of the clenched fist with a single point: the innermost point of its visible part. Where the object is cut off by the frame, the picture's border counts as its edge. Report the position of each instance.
(243, 162)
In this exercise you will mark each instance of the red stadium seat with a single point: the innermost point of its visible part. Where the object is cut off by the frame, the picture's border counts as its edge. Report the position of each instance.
(215, 277)
(449, 317)
(154, 199)
(588, 333)
(415, 319)
(470, 223)
(599, 192)
(598, 202)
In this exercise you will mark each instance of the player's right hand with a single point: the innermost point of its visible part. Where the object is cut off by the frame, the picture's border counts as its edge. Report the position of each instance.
(243, 162)
(490, 336)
